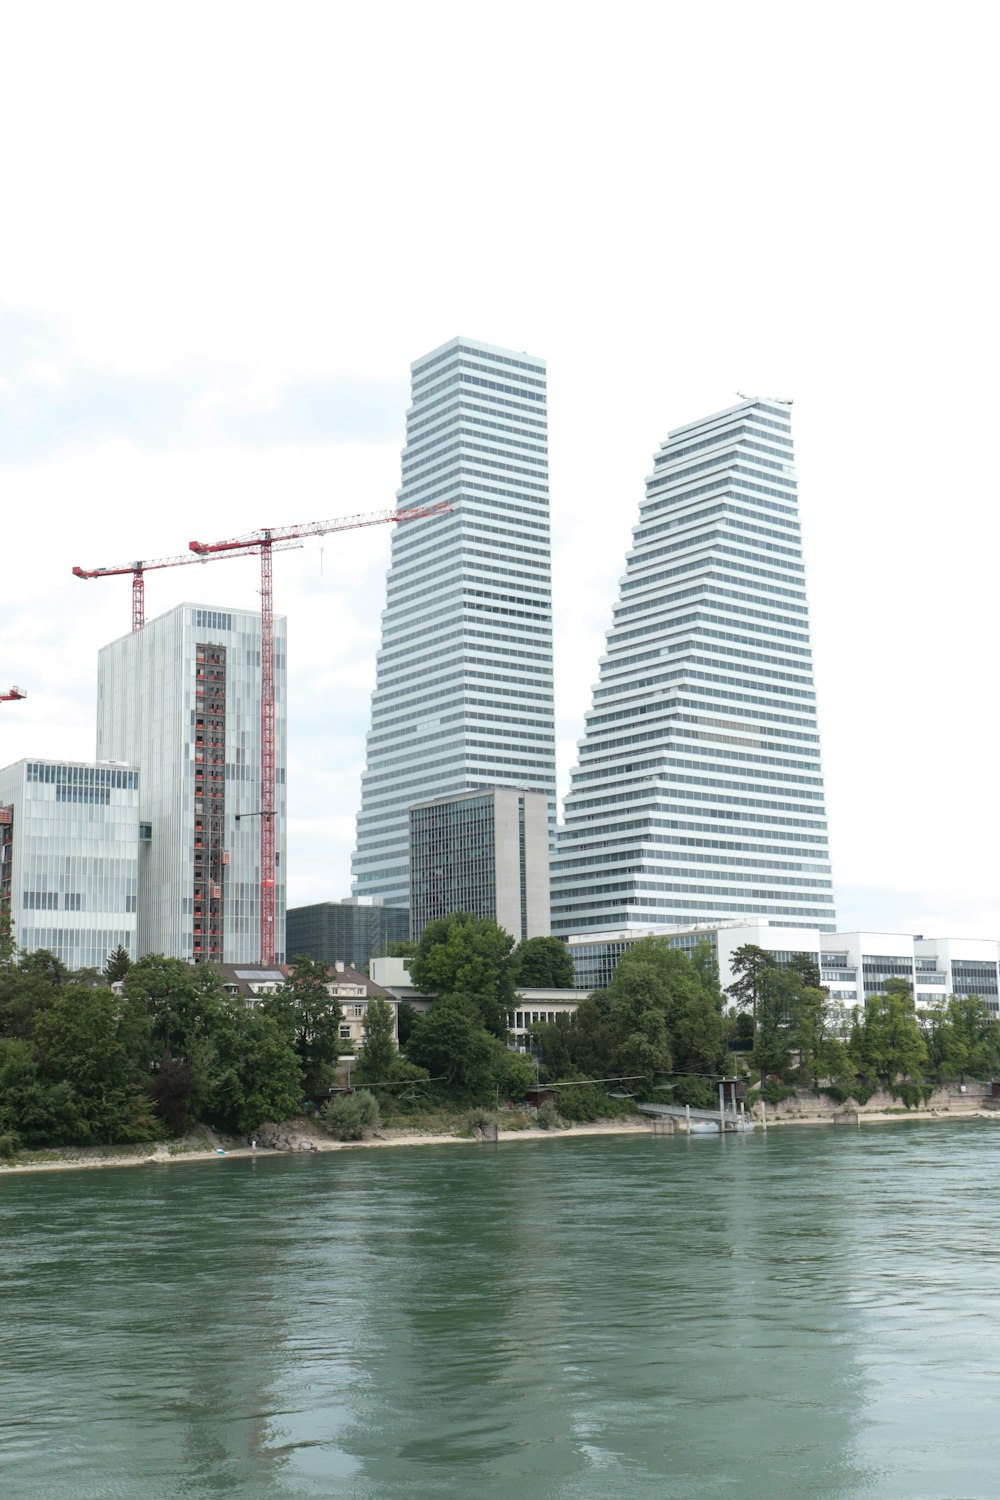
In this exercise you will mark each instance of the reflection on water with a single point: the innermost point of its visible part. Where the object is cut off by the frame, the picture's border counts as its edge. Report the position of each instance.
(805, 1314)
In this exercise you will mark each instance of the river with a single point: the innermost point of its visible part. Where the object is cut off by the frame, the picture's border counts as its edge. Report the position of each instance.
(810, 1313)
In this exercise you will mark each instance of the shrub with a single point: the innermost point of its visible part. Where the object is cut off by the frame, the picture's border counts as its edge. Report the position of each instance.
(912, 1094)
(585, 1102)
(697, 1092)
(9, 1143)
(480, 1122)
(547, 1117)
(350, 1115)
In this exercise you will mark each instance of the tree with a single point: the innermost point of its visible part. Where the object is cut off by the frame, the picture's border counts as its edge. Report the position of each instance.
(406, 1019)
(542, 963)
(259, 1077)
(749, 963)
(378, 1050)
(36, 1112)
(100, 1043)
(450, 1041)
(962, 1038)
(315, 1017)
(887, 1041)
(118, 964)
(686, 991)
(466, 955)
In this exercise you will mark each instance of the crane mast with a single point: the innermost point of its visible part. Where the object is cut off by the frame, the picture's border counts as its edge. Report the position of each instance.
(264, 542)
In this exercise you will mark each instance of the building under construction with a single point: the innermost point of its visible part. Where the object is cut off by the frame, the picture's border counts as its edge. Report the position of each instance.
(180, 698)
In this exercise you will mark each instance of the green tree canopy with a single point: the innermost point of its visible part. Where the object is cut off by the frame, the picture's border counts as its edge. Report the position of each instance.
(466, 955)
(542, 963)
(962, 1038)
(118, 964)
(315, 1017)
(378, 1050)
(887, 1041)
(451, 1043)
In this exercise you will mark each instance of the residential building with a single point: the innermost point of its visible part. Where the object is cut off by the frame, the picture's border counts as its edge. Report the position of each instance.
(69, 858)
(180, 699)
(351, 990)
(698, 792)
(463, 695)
(350, 931)
(486, 852)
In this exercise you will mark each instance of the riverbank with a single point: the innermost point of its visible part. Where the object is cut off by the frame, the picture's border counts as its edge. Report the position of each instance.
(207, 1146)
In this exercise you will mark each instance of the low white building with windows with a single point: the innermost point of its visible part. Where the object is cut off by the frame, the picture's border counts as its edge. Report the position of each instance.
(533, 1007)
(852, 965)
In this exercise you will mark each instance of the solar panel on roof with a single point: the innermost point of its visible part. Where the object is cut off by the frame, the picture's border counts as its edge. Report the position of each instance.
(258, 974)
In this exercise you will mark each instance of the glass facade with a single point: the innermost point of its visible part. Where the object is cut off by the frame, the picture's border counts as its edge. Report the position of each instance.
(483, 853)
(69, 858)
(463, 696)
(452, 860)
(349, 931)
(180, 698)
(698, 794)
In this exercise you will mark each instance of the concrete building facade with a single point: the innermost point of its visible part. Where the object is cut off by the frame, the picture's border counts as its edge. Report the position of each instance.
(463, 695)
(69, 858)
(698, 793)
(486, 852)
(180, 699)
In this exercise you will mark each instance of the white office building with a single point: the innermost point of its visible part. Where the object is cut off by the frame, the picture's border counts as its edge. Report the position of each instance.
(69, 858)
(180, 698)
(463, 696)
(698, 792)
(852, 965)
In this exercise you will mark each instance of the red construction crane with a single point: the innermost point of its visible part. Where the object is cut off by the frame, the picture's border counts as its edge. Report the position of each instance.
(137, 569)
(265, 542)
(14, 693)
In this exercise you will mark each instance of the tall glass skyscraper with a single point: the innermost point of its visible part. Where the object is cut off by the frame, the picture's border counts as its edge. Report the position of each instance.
(698, 794)
(463, 696)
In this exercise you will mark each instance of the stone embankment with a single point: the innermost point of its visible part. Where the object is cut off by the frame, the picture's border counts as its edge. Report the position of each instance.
(950, 1101)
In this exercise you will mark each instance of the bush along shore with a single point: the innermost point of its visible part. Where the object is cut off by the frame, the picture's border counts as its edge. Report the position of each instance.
(152, 1058)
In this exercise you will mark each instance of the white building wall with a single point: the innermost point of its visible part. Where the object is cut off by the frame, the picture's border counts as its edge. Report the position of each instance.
(74, 858)
(146, 699)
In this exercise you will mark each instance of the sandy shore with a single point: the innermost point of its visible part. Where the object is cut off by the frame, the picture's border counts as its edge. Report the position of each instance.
(88, 1158)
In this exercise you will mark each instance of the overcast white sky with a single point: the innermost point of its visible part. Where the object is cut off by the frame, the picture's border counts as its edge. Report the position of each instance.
(227, 228)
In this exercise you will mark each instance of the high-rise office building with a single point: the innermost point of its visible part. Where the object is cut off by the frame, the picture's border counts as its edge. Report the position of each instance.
(486, 852)
(698, 794)
(180, 699)
(463, 694)
(349, 932)
(69, 858)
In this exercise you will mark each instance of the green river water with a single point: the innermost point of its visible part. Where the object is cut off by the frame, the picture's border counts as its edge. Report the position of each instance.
(806, 1313)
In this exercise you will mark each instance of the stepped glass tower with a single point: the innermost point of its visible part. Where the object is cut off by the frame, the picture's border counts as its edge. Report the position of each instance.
(698, 794)
(463, 697)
